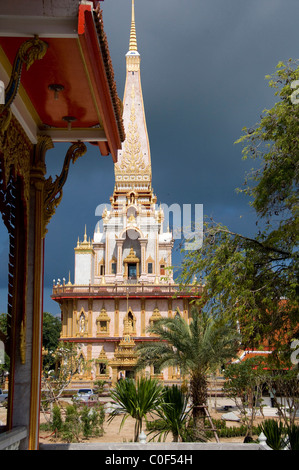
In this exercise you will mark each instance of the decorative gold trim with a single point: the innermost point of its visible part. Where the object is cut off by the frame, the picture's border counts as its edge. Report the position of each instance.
(23, 342)
(155, 317)
(102, 359)
(53, 189)
(129, 325)
(133, 39)
(101, 263)
(113, 260)
(150, 260)
(131, 258)
(103, 323)
(82, 323)
(132, 161)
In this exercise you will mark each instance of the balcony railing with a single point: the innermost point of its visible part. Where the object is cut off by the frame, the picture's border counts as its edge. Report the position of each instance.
(11, 440)
(125, 290)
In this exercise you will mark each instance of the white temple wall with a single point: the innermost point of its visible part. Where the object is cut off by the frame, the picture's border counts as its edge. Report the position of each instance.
(84, 268)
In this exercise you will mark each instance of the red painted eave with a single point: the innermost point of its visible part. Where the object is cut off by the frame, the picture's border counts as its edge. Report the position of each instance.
(77, 64)
(89, 42)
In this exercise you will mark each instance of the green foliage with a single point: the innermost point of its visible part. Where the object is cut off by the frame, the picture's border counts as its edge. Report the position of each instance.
(136, 399)
(244, 384)
(80, 422)
(225, 431)
(278, 436)
(274, 432)
(293, 437)
(72, 425)
(3, 323)
(99, 386)
(245, 277)
(51, 335)
(284, 383)
(274, 143)
(66, 362)
(57, 422)
(172, 415)
(51, 331)
(92, 421)
(196, 348)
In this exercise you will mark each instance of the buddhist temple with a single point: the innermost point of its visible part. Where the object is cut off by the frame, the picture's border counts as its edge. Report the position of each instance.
(123, 280)
(56, 85)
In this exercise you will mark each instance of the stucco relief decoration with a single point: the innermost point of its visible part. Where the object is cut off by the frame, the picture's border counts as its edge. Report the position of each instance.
(53, 189)
(16, 150)
(82, 325)
(132, 162)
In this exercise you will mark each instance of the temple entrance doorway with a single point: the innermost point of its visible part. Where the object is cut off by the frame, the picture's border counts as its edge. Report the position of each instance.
(130, 374)
(127, 374)
(132, 271)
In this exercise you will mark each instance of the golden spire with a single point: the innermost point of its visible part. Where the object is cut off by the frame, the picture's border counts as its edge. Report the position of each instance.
(133, 39)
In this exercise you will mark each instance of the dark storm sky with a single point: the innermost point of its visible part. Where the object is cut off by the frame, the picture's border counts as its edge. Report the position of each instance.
(203, 67)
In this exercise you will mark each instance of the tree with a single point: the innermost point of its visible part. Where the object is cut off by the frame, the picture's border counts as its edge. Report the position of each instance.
(195, 348)
(274, 142)
(244, 385)
(254, 280)
(67, 363)
(51, 335)
(173, 415)
(136, 399)
(284, 386)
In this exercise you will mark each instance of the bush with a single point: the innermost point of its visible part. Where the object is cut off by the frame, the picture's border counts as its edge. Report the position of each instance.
(71, 429)
(79, 422)
(92, 421)
(57, 423)
(293, 435)
(274, 432)
(228, 431)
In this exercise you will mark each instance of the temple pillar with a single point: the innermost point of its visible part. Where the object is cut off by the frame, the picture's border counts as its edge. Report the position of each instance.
(116, 317)
(90, 306)
(142, 313)
(169, 308)
(114, 375)
(119, 264)
(26, 365)
(75, 315)
(143, 273)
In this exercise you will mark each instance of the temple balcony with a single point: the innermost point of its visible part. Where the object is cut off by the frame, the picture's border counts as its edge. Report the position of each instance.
(138, 289)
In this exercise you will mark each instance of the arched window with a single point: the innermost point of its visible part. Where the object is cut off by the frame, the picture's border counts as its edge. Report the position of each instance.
(130, 323)
(103, 323)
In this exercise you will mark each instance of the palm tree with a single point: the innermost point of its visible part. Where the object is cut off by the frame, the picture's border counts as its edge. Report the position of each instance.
(136, 399)
(196, 348)
(172, 414)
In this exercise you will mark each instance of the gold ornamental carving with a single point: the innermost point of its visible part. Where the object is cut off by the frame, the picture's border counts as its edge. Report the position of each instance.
(16, 152)
(30, 51)
(103, 322)
(132, 161)
(53, 189)
(124, 354)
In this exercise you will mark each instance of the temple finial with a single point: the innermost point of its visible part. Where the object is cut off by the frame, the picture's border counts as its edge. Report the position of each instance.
(133, 39)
